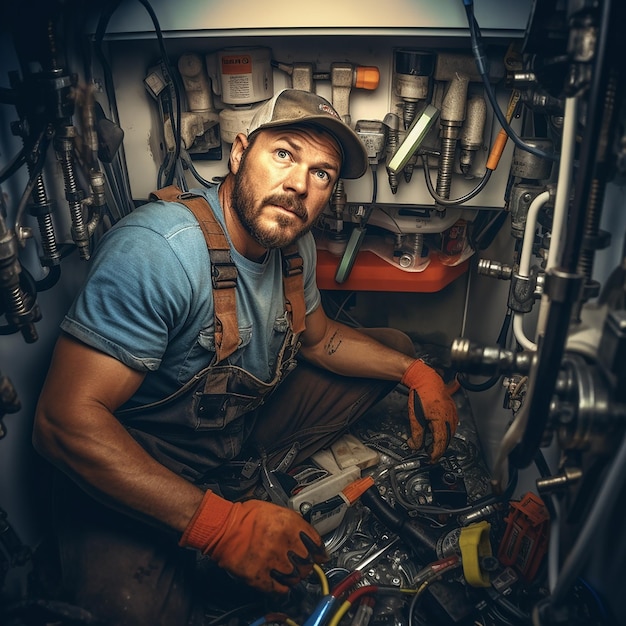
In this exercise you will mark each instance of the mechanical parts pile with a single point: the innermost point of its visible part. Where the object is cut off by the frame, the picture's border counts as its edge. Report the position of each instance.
(409, 542)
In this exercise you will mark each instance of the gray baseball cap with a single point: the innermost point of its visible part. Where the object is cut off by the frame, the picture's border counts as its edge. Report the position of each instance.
(294, 106)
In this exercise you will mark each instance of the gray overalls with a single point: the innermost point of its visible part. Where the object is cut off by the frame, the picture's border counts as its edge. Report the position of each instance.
(204, 423)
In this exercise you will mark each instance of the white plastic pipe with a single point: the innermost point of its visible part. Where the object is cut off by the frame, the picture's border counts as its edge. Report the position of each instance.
(561, 201)
(529, 233)
(520, 335)
(524, 263)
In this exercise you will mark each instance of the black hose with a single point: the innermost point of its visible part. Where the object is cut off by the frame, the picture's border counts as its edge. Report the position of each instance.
(50, 280)
(423, 544)
(455, 201)
(478, 387)
(16, 162)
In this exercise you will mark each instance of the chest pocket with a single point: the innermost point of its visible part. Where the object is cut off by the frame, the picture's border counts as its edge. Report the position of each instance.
(206, 338)
(202, 353)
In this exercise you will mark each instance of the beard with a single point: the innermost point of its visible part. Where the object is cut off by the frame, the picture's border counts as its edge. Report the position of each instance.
(249, 210)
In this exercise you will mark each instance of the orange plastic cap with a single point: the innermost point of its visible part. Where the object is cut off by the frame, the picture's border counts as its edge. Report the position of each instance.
(357, 488)
(366, 77)
(497, 150)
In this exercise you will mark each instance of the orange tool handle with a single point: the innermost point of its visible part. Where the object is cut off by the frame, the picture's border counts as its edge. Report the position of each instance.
(500, 142)
(497, 149)
(366, 77)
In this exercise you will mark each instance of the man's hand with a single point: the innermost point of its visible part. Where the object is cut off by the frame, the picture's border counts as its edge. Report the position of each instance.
(269, 547)
(430, 406)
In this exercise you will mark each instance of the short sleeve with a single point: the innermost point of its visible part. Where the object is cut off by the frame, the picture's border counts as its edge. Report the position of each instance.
(135, 298)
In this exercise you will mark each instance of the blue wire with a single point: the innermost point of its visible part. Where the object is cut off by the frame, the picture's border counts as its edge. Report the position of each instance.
(596, 597)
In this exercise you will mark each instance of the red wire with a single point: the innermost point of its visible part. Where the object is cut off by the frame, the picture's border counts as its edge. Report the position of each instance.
(361, 591)
(444, 563)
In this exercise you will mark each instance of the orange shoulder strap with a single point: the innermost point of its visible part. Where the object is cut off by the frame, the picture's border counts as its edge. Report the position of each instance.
(224, 273)
(223, 270)
(293, 268)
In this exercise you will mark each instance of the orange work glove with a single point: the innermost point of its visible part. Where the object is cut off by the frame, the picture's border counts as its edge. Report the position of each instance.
(430, 406)
(268, 546)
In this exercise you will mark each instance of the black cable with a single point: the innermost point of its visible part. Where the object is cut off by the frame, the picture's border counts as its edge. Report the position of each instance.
(399, 522)
(542, 464)
(397, 492)
(477, 504)
(447, 201)
(120, 163)
(477, 387)
(481, 64)
(174, 85)
(50, 280)
(233, 612)
(499, 618)
(103, 22)
(544, 471)
(188, 163)
(485, 227)
(101, 29)
(16, 162)
(162, 169)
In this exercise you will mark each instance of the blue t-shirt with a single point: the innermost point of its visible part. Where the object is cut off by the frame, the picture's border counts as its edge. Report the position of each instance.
(148, 299)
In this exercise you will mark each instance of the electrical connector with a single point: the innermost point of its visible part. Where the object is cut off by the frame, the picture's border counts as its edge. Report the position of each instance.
(373, 134)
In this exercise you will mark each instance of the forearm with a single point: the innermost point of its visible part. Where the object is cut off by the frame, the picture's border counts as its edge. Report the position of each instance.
(349, 352)
(75, 428)
(112, 467)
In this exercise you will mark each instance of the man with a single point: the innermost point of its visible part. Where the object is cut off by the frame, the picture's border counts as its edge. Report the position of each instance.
(160, 380)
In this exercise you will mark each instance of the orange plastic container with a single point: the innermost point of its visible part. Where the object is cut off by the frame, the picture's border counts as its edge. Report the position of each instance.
(371, 273)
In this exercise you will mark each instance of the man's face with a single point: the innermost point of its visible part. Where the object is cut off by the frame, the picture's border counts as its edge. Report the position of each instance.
(283, 182)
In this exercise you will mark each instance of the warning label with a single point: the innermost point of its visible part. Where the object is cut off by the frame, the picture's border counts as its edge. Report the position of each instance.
(237, 64)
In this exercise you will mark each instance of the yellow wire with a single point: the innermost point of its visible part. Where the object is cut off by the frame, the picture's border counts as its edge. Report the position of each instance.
(290, 622)
(420, 590)
(343, 609)
(323, 580)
